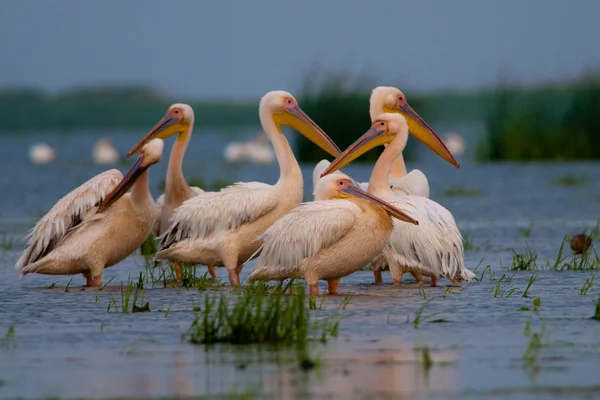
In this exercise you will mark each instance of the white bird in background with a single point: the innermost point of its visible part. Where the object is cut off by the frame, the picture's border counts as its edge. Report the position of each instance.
(42, 153)
(178, 120)
(105, 152)
(455, 143)
(220, 228)
(95, 226)
(434, 248)
(327, 239)
(258, 150)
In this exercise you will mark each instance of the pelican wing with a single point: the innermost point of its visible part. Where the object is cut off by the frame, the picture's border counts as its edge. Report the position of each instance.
(304, 231)
(211, 212)
(435, 244)
(159, 205)
(67, 214)
(414, 183)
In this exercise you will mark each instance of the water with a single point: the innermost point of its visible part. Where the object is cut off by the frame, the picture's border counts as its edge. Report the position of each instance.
(67, 345)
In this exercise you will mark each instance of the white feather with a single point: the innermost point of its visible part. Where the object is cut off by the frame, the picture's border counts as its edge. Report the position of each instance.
(433, 247)
(414, 183)
(302, 233)
(210, 212)
(159, 205)
(67, 214)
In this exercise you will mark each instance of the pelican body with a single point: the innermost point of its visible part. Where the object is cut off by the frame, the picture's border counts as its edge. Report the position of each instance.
(434, 248)
(220, 228)
(95, 226)
(327, 239)
(178, 120)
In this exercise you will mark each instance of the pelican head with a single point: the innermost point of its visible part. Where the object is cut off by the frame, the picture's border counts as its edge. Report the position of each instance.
(387, 99)
(341, 186)
(284, 110)
(178, 118)
(385, 129)
(150, 154)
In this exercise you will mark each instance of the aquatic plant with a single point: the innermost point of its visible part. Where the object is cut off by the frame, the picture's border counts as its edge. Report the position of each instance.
(249, 318)
(498, 290)
(129, 303)
(339, 103)
(149, 248)
(532, 279)
(571, 180)
(349, 296)
(460, 191)
(8, 340)
(7, 241)
(536, 303)
(549, 122)
(419, 317)
(526, 232)
(524, 261)
(596, 315)
(587, 285)
(426, 358)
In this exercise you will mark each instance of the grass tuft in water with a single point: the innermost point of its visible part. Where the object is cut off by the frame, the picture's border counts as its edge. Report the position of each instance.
(255, 315)
(130, 295)
(536, 303)
(525, 232)
(7, 241)
(597, 310)
(532, 279)
(8, 340)
(587, 285)
(149, 248)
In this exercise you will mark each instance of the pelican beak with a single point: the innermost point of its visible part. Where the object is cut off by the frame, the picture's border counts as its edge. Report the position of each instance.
(166, 127)
(422, 131)
(294, 117)
(372, 138)
(123, 186)
(393, 211)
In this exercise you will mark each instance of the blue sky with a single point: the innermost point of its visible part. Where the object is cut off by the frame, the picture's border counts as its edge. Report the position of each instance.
(244, 48)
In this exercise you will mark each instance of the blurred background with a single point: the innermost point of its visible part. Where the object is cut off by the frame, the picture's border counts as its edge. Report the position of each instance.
(499, 81)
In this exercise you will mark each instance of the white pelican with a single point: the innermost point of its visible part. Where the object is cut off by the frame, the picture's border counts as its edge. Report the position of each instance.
(220, 228)
(178, 120)
(390, 99)
(434, 248)
(96, 225)
(105, 152)
(42, 153)
(328, 239)
(257, 150)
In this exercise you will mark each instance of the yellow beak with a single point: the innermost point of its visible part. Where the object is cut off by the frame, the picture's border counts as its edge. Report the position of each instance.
(393, 211)
(372, 138)
(422, 131)
(294, 117)
(166, 127)
(123, 186)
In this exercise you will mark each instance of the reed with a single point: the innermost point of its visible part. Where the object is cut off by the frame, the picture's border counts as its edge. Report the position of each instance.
(546, 123)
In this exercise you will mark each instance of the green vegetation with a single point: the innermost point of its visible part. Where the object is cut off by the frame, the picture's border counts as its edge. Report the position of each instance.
(551, 122)
(597, 310)
(130, 294)
(257, 314)
(339, 104)
(110, 107)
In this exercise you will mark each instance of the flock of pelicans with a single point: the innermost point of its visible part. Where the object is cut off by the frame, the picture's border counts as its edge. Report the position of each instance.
(389, 221)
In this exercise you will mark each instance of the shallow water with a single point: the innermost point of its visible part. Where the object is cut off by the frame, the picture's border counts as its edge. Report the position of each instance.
(67, 345)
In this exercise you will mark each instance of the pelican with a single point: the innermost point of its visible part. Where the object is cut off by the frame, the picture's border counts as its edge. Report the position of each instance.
(105, 152)
(178, 120)
(327, 239)
(220, 228)
(434, 248)
(258, 150)
(455, 142)
(42, 153)
(95, 226)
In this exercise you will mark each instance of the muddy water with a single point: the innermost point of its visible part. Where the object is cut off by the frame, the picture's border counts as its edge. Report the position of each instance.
(66, 344)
